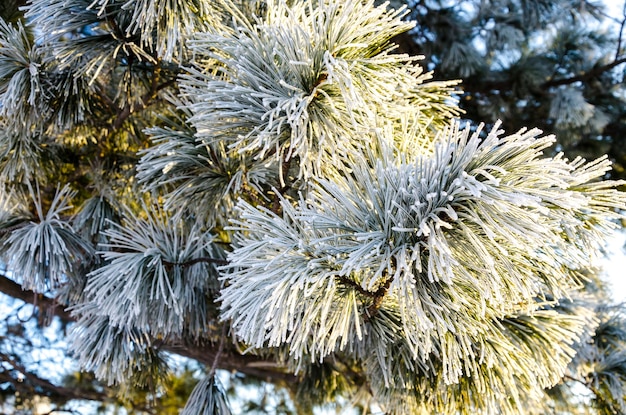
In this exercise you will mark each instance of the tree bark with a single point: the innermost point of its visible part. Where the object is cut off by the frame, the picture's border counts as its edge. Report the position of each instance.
(230, 359)
(15, 290)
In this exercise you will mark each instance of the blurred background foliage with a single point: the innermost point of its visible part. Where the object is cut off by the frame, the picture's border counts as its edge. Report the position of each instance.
(555, 65)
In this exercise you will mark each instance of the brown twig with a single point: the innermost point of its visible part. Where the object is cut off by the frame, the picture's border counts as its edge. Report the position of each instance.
(377, 296)
(220, 350)
(123, 113)
(144, 102)
(250, 194)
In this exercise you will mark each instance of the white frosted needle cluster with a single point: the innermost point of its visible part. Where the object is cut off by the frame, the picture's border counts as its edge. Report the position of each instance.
(155, 275)
(482, 229)
(46, 253)
(300, 84)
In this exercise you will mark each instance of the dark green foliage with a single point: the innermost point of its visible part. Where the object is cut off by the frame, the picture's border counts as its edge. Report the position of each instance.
(557, 65)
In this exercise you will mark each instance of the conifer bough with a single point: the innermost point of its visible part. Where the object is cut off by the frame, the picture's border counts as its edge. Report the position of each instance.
(271, 178)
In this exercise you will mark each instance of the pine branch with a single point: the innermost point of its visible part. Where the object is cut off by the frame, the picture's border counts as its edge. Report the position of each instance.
(619, 36)
(376, 296)
(586, 76)
(145, 101)
(415, 254)
(229, 358)
(15, 290)
(49, 388)
(476, 86)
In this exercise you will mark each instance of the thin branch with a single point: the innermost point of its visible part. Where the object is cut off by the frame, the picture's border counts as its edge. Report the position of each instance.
(477, 87)
(250, 194)
(220, 350)
(356, 286)
(107, 100)
(145, 101)
(376, 296)
(597, 71)
(621, 32)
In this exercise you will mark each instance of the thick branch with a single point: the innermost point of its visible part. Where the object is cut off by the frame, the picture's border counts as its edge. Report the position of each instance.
(32, 381)
(15, 290)
(229, 359)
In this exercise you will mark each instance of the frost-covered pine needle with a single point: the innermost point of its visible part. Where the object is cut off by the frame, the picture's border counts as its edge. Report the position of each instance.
(462, 246)
(306, 83)
(156, 275)
(45, 252)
